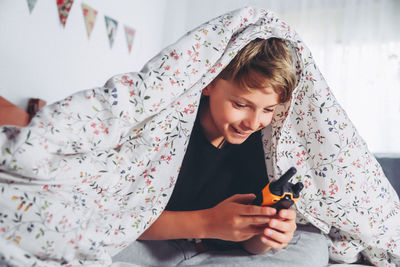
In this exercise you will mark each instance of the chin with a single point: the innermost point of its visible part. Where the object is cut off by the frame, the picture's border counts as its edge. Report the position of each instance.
(235, 141)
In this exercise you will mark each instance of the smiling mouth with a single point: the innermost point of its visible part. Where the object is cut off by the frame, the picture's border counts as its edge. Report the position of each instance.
(240, 133)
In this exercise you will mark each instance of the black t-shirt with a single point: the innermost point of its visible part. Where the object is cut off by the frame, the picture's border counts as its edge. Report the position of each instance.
(210, 175)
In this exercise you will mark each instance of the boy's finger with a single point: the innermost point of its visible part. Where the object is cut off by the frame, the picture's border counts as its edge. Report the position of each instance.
(272, 243)
(257, 210)
(282, 226)
(243, 198)
(287, 214)
(258, 220)
(277, 236)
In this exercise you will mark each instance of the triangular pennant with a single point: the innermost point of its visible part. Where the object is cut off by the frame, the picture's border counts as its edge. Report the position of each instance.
(90, 15)
(31, 5)
(111, 25)
(129, 32)
(64, 6)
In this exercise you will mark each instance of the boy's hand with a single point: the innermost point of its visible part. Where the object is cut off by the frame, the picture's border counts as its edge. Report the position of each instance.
(277, 235)
(233, 219)
(281, 229)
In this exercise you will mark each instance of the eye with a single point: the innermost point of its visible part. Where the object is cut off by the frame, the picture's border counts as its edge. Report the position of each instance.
(239, 105)
(268, 110)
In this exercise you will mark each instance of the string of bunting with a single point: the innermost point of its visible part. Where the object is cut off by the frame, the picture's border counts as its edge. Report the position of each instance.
(90, 16)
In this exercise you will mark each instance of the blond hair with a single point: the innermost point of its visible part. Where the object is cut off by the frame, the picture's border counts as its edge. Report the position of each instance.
(263, 63)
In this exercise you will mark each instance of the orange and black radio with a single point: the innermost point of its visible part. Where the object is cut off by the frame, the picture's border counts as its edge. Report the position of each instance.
(280, 194)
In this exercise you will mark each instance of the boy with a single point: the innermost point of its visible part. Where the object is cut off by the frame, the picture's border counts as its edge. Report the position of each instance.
(224, 165)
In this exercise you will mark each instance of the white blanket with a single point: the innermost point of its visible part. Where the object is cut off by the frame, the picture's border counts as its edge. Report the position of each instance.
(90, 173)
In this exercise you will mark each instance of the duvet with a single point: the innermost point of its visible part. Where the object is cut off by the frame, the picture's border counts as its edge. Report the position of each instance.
(91, 172)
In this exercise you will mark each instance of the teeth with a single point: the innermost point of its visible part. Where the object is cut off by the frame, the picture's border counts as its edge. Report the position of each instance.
(238, 131)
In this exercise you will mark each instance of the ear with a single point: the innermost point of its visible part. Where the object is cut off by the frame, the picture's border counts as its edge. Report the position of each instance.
(206, 90)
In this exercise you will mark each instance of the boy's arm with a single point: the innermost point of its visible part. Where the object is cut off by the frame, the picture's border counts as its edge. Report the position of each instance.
(177, 225)
(277, 235)
(232, 219)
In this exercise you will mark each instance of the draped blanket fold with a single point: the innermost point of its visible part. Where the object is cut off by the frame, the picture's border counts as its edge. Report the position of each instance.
(91, 172)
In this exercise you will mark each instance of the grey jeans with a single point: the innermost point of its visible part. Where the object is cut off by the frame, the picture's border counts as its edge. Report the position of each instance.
(306, 249)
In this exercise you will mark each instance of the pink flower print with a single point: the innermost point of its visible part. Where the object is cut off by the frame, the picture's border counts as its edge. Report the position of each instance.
(334, 189)
(167, 67)
(177, 72)
(197, 46)
(307, 183)
(356, 163)
(301, 133)
(126, 81)
(148, 182)
(189, 52)
(140, 163)
(301, 157)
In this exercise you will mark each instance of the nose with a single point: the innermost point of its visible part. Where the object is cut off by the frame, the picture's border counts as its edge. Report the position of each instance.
(252, 122)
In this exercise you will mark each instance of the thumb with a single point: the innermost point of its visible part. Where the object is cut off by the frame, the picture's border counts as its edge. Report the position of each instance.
(243, 198)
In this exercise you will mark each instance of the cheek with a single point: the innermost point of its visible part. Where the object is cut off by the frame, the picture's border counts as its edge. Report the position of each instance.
(232, 115)
(266, 120)
(226, 112)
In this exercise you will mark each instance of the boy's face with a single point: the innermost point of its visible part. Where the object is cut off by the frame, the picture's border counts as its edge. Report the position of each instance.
(233, 113)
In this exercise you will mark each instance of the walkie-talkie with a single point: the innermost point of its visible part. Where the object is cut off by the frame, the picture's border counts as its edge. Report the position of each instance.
(280, 194)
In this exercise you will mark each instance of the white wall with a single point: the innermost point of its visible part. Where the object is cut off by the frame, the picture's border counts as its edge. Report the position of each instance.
(40, 58)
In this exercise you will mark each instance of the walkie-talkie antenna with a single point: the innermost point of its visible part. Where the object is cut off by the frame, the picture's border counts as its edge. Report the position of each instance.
(277, 187)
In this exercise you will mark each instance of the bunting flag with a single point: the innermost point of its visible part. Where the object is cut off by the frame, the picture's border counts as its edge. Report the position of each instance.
(90, 15)
(31, 5)
(64, 6)
(129, 32)
(111, 25)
